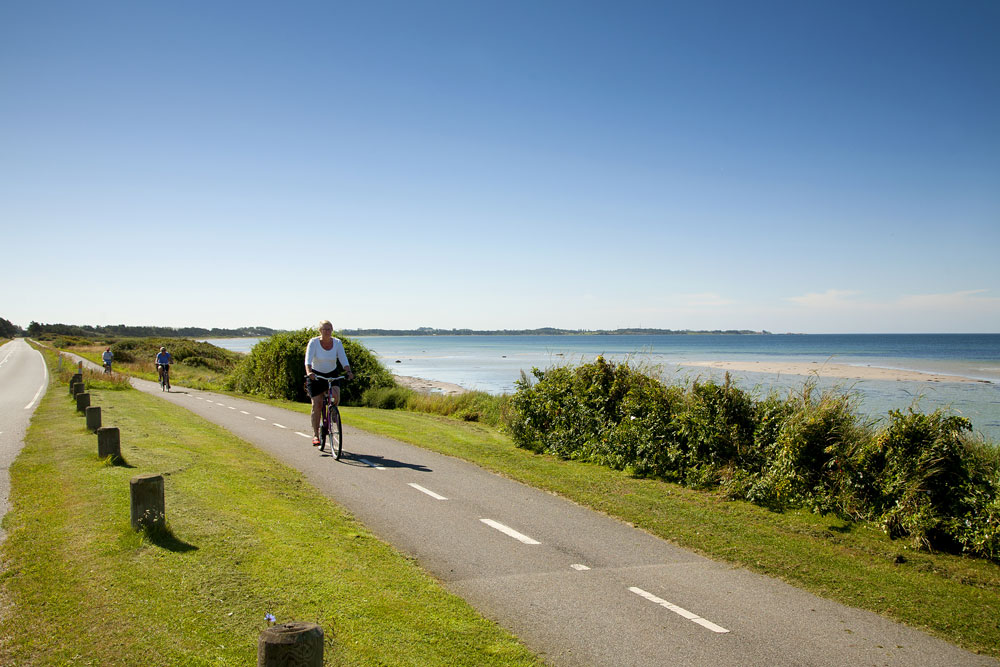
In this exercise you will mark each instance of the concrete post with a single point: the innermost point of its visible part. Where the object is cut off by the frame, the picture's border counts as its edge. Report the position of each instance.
(79, 388)
(93, 414)
(109, 443)
(82, 401)
(294, 644)
(78, 377)
(147, 501)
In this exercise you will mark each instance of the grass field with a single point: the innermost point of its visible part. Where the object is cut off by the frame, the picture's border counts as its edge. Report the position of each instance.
(246, 537)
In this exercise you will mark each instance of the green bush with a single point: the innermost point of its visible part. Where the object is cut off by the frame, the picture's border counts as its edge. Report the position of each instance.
(275, 368)
(799, 446)
(921, 476)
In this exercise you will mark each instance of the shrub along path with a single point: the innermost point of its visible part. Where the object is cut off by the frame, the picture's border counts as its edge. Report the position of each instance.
(580, 587)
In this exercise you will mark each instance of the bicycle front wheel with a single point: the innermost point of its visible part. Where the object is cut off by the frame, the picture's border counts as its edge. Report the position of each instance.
(336, 433)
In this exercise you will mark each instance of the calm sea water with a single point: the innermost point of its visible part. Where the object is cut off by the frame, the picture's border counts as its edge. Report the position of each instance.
(494, 363)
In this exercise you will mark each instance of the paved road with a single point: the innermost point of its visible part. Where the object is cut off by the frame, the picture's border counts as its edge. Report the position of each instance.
(577, 587)
(23, 379)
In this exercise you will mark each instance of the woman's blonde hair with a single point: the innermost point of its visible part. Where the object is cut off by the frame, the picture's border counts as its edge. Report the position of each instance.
(322, 322)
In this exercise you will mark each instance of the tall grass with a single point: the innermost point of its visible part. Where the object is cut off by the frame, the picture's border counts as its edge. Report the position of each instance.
(473, 406)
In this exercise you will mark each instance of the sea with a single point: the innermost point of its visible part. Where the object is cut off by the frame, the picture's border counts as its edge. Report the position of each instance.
(495, 363)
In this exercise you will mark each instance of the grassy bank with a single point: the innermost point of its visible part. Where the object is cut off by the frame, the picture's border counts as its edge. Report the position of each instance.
(247, 536)
(197, 365)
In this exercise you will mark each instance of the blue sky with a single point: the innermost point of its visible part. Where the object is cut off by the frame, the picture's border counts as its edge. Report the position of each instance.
(789, 166)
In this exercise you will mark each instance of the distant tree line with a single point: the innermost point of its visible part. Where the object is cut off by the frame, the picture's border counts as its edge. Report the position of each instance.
(36, 329)
(544, 331)
(8, 329)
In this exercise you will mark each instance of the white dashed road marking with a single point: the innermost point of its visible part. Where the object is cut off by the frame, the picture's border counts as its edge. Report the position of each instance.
(679, 610)
(37, 394)
(507, 530)
(278, 425)
(244, 412)
(577, 566)
(304, 435)
(260, 418)
(372, 465)
(430, 493)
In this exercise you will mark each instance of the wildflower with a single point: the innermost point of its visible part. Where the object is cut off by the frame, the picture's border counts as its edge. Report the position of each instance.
(270, 617)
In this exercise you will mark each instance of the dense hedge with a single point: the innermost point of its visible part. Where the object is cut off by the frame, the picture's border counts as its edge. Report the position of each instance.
(918, 476)
(275, 368)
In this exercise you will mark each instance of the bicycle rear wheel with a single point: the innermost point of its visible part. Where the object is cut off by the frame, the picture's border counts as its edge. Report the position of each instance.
(336, 433)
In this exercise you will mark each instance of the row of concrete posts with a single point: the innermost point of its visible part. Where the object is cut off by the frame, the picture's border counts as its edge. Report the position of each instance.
(293, 644)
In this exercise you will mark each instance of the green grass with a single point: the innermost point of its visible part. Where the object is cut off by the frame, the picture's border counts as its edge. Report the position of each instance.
(955, 598)
(246, 536)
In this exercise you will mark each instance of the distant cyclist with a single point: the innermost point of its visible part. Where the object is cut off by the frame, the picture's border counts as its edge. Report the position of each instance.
(163, 361)
(107, 357)
(324, 354)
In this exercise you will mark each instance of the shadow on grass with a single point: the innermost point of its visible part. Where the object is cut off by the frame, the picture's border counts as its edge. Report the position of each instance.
(165, 539)
(116, 462)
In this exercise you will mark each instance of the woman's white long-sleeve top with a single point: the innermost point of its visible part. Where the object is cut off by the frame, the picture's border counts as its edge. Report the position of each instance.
(325, 361)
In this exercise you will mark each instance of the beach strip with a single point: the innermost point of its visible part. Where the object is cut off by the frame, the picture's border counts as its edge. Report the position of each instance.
(423, 386)
(828, 370)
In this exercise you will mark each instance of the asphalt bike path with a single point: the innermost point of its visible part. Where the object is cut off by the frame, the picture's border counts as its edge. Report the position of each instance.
(578, 587)
(23, 380)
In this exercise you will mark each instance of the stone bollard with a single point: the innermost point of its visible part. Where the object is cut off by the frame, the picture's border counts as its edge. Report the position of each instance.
(295, 644)
(109, 443)
(79, 388)
(147, 501)
(82, 402)
(73, 380)
(93, 417)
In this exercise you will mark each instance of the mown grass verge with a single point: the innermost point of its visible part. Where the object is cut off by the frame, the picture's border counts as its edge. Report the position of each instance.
(955, 598)
(246, 536)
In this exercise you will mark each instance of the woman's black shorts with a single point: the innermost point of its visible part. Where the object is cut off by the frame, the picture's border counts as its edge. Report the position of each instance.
(319, 384)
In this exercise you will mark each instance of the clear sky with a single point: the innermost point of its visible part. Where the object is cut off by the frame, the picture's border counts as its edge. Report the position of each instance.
(807, 166)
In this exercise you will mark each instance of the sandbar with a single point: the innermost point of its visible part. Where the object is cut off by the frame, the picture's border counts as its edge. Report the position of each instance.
(423, 386)
(818, 369)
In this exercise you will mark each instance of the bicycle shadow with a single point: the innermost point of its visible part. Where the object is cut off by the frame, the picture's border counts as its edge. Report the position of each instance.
(372, 460)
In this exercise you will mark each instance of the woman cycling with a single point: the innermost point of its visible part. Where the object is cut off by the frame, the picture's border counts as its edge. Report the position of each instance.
(324, 354)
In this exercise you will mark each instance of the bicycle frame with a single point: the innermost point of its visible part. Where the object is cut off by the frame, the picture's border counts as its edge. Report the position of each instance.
(331, 420)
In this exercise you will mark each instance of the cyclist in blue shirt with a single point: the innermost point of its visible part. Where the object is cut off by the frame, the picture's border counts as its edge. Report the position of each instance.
(163, 361)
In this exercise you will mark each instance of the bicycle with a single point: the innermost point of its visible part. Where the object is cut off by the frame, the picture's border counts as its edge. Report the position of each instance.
(331, 427)
(164, 376)
(107, 368)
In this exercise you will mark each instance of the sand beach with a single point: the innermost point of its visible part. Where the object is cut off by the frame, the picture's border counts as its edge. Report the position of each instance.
(828, 370)
(429, 386)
